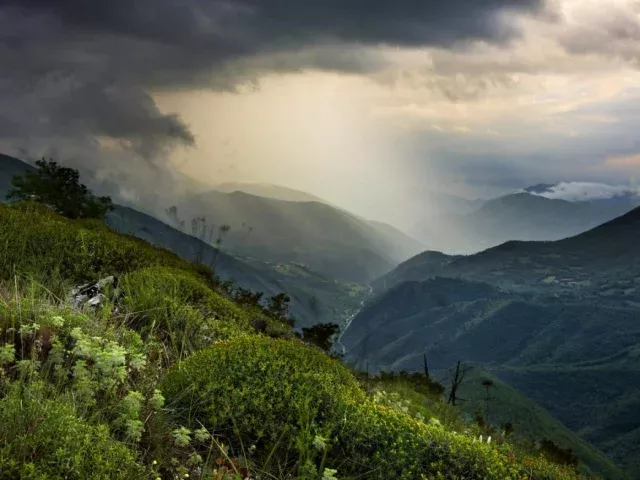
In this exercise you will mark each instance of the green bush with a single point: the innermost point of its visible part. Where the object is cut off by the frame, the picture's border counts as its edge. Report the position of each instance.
(380, 442)
(256, 388)
(43, 438)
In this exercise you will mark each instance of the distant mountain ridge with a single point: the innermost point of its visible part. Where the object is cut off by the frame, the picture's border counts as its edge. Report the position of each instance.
(526, 215)
(276, 192)
(333, 242)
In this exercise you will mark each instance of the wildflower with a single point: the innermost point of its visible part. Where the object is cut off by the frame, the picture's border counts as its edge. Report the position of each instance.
(182, 436)
(203, 435)
(7, 353)
(134, 429)
(157, 400)
(28, 329)
(329, 474)
(319, 443)
(138, 361)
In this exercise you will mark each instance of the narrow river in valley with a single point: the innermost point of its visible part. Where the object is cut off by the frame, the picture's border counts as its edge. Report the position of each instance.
(339, 344)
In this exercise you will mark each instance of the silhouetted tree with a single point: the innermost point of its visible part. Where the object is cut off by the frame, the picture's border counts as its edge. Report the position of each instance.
(245, 296)
(278, 307)
(557, 454)
(455, 384)
(507, 428)
(320, 334)
(59, 188)
(487, 384)
(426, 366)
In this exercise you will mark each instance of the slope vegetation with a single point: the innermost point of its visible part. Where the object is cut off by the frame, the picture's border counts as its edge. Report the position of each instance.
(558, 320)
(168, 378)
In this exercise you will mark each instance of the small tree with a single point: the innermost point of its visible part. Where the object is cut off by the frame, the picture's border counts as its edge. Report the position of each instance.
(320, 335)
(278, 307)
(59, 188)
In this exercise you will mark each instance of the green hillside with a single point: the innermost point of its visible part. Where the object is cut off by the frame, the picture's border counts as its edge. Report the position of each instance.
(530, 421)
(563, 315)
(178, 383)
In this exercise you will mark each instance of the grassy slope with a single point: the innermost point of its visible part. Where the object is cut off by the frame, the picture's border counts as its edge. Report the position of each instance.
(99, 373)
(314, 299)
(530, 420)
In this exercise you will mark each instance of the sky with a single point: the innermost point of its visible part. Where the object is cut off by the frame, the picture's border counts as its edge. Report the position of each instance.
(374, 105)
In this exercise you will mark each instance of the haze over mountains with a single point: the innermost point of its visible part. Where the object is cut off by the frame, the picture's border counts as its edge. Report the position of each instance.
(541, 212)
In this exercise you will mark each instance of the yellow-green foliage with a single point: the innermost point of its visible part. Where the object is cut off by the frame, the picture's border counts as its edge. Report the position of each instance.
(260, 386)
(43, 438)
(73, 385)
(390, 444)
(34, 239)
(160, 287)
(381, 442)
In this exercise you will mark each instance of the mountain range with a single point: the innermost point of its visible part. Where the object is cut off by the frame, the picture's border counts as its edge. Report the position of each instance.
(524, 215)
(332, 242)
(560, 321)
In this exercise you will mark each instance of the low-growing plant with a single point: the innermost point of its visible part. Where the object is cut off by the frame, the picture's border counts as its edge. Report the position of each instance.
(42, 437)
(261, 391)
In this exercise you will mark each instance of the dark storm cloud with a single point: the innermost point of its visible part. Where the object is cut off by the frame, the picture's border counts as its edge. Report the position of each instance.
(615, 32)
(76, 71)
(162, 42)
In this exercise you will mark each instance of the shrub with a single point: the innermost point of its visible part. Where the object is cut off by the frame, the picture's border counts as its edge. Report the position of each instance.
(257, 388)
(43, 438)
(381, 442)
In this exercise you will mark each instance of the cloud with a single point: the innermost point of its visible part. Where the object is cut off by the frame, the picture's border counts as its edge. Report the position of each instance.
(78, 78)
(584, 191)
(623, 162)
(607, 28)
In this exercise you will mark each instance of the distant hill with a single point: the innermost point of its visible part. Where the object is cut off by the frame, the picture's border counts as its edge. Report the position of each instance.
(592, 263)
(330, 241)
(393, 237)
(266, 190)
(557, 320)
(519, 216)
